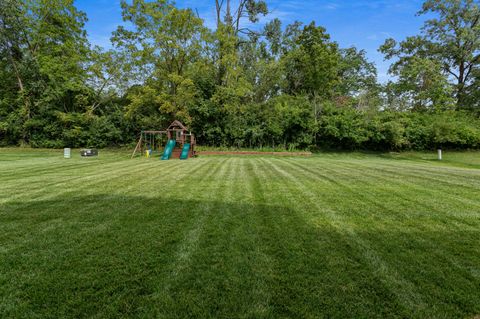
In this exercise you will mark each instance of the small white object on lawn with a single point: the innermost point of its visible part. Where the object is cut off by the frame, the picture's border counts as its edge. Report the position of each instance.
(439, 154)
(66, 153)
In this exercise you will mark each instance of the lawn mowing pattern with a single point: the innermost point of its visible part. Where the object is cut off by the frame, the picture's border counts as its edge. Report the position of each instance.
(258, 237)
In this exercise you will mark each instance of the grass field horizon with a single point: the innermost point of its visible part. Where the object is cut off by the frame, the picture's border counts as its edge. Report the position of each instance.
(334, 235)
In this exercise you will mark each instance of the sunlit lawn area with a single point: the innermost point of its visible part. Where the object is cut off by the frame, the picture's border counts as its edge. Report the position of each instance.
(336, 235)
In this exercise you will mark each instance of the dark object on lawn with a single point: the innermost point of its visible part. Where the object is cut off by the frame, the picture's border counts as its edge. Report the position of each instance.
(89, 152)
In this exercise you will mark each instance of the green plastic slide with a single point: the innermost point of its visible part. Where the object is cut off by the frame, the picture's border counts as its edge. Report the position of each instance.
(185, 149)
(167, 153)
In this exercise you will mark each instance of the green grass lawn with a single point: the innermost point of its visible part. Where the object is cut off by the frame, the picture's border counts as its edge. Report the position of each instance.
(334, 236)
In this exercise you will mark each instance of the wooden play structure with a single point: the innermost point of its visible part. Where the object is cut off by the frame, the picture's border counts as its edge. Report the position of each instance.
(180, 142)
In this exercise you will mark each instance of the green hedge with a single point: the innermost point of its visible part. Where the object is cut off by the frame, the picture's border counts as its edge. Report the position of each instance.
(285, 122)
(352, 129)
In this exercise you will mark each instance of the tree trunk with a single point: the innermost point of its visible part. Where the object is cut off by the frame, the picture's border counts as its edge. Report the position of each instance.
(461, 85)
(24, 98)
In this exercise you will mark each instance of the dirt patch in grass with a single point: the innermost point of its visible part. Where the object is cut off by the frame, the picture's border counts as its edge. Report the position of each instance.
(254, 153)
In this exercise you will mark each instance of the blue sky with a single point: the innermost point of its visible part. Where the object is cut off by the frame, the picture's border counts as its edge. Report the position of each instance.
(362, 23)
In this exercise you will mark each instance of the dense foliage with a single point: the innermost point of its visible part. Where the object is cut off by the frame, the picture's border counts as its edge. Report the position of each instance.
(274, 85)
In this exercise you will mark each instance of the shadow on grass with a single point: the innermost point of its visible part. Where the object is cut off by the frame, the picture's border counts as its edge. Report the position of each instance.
(126, 256)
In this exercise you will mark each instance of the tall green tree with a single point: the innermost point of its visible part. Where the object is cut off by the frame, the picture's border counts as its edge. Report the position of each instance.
(356, 73)
(231, 13)
(455, 38)
(312, 66)
(424, 84)
(45, 46)
(107, 77)
(451, 39)
(163, 46)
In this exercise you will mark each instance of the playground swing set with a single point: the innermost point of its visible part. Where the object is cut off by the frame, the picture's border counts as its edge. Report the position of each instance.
(180, 142)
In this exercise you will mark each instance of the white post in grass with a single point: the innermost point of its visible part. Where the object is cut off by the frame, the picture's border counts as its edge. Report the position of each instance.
(66, 153)
(439, 154)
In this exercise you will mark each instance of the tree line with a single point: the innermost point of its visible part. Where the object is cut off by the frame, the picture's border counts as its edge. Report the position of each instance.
(239, 84)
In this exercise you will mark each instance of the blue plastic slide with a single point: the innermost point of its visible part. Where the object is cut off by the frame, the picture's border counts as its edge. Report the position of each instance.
(167, 153)
(185, 149)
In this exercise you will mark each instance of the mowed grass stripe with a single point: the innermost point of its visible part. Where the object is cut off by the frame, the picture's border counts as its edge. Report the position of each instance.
(47, 208)
(172, 298)
(66, 174)
(439, 220)
(107, 224)
(436, 221)
(219, 286)
(443, 260)
(418, 183)
(410, 194)
(25, 187)
(105, 176)
(227, 278)
(321, 258)
(418, 186)
(69, 186)
(411, 171)
(37, 166)
(410, 299)
(45, 181)
(460, 212)
(190, 225)
(253, 257)
(445, 174)
(259, 237)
